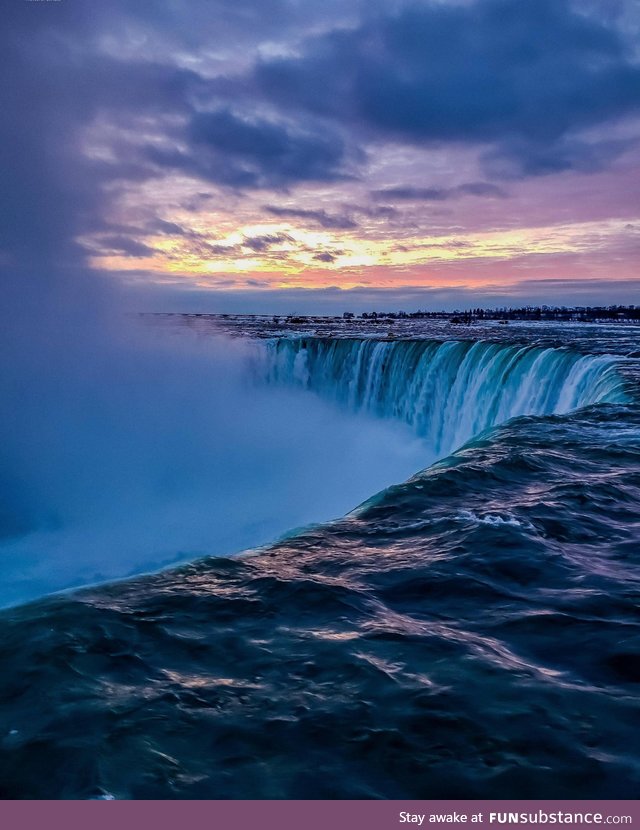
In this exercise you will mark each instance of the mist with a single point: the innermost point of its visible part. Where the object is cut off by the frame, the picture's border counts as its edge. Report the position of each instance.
(121, 452)
(127, 450)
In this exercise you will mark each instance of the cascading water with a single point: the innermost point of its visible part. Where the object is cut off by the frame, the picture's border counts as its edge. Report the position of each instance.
(161, 496)
(415, 649)
(447, 391)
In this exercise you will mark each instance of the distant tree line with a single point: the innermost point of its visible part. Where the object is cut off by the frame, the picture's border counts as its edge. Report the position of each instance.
(543, 312)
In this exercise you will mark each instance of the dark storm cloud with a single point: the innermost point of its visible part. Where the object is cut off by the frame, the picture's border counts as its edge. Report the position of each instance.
(516, 76)
(516, 158)
(332, 221)
(50, 190)
(521, 74)
(439, 194)
(249, 152)
(59, 80)
(125, 245)
(163, 24)
(269, 151)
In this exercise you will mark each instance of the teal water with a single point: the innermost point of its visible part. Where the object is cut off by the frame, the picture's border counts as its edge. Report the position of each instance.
(447, 391)
(472, 632)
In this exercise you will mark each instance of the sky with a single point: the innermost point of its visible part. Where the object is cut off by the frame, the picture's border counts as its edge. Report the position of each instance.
(294, 156)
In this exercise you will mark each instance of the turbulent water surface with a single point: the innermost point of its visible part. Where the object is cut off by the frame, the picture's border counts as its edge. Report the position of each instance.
(470, 633)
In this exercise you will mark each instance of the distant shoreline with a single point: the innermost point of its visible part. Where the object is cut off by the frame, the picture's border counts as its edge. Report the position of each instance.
(582, 314)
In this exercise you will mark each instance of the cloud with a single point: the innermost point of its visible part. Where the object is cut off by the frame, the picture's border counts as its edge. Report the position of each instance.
(518, 158)
(245, 151)
(83, 81)
(125, 245)
(256, 283)
(269, 150)
(518, 74)
(439, 194)
(519, 79)
(259, 244)
(481, 189)
(167, 228)
(51, 189)
(424, 194)
(332, 221)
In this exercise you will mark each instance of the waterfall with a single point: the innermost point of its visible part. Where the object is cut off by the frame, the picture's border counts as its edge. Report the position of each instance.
(447, 391)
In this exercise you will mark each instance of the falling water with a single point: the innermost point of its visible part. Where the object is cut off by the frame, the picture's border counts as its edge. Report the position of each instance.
(447, 391)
